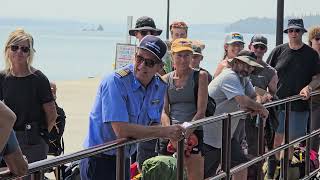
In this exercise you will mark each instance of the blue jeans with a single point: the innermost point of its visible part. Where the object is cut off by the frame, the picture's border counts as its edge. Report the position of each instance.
(297, 126)
(101, 167)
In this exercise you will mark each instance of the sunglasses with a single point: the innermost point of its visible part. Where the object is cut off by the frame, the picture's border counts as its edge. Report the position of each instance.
(148, 62)
(144, 33)
(257, 46)
(15, 48)
(294, 30)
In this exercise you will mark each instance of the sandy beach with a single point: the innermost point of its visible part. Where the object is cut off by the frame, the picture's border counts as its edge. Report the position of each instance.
(76, 98)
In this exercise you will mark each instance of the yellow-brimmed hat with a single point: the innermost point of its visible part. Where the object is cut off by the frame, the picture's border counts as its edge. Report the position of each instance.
(181, 44)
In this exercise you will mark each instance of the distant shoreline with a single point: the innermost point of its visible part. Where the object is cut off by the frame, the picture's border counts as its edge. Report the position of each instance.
(266, 25)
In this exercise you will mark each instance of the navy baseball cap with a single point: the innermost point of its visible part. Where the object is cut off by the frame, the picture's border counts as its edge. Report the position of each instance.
(154, 45)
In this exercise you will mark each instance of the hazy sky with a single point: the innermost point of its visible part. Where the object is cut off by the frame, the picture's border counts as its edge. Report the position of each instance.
(192, 11)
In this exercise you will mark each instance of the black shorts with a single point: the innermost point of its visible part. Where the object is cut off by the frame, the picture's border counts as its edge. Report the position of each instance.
(212, 157)
(198, 148)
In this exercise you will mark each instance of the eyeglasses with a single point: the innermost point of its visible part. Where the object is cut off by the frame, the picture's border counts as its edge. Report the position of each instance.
(15, 48)
(294, 30)
(257, 46)
(148, 62)
(144, 33)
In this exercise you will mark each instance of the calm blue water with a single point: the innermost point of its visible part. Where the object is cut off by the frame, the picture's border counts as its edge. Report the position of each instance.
(67, 53)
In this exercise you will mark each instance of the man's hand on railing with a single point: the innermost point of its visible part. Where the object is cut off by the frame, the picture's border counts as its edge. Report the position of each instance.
(267, 97)
(264, 113)
(175, 132)
(305, 92)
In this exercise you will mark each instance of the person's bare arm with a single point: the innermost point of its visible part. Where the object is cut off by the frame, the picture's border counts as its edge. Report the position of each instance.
(272, 86)
(165, 118)
(220, 67)
(247, 103)
(202, 95)
(16, 163)
(51, 114)
(7, 120)
(129, 130)
(315, 83)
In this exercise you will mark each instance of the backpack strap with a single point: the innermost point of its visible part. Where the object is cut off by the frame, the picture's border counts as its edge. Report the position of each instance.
(169, 81)
(196, 85)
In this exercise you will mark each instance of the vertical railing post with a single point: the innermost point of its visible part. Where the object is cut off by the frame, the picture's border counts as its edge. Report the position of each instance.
(226, 146)
(229, 145)
(120, 171)
(180, 159)
(260, 146)
(285, 160)
(279, 28)
(308, 144)
(58, 173)
(168, 19)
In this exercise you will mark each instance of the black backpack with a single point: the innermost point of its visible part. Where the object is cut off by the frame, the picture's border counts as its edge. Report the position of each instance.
(211, 106)
(54, 138)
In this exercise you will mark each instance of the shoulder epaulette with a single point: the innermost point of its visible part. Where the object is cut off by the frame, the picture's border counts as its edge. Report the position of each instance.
(123, 72)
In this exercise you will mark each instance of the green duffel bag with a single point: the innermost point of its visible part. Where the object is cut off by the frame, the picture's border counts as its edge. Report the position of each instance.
(160, 167)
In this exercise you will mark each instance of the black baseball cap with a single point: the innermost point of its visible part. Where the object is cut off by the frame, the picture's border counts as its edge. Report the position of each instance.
(259, 39)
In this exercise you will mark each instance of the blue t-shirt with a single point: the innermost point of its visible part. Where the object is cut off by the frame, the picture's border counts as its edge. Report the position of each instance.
(11, 146)
(122, 98)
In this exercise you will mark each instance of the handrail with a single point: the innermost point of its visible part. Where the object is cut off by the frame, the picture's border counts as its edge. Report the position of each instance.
(64, 159)
(242, 113)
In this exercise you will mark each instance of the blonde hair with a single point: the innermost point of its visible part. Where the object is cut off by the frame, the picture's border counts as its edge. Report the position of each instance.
(15, 37)
(313, 32)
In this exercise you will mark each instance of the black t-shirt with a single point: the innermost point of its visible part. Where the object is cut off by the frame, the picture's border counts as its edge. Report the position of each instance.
(25, 97)
(295, 69)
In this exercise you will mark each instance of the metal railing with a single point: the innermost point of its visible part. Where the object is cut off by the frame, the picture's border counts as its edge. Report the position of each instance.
(119, 144)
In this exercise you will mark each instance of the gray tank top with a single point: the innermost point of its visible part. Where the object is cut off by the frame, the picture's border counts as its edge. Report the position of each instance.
(182, 101)
(263, 79)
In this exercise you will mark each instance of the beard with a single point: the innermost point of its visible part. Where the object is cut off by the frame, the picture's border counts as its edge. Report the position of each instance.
(243, 74)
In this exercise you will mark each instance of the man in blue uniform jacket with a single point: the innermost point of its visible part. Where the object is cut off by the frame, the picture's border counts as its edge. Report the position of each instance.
(127, 102)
